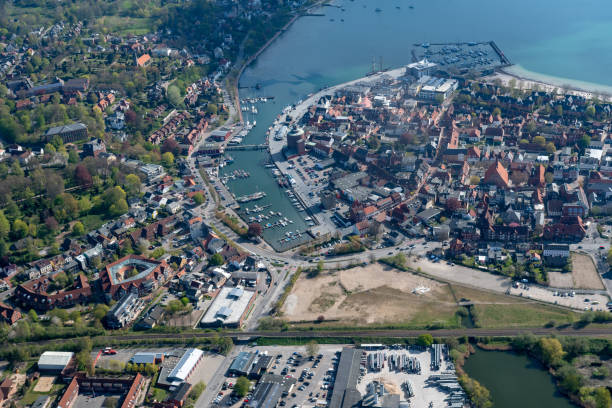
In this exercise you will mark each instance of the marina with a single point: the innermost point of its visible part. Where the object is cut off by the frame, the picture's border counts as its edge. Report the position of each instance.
(462, 57)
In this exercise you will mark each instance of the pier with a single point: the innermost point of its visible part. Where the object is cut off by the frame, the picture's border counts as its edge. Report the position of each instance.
(499, 52)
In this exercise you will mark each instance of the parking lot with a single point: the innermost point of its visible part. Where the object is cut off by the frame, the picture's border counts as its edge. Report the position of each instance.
(314, 375)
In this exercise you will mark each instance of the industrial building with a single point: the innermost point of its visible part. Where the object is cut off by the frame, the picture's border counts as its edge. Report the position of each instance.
(270, 390)
(144, 357)
(250, 365)
(55, 361)
(345, 393)
(230, 307)
(186, 365)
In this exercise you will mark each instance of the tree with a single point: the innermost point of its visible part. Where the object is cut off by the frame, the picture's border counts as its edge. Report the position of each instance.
(54, 184)
(539, 140)
(590, 112)
(312, 348)
(474, 180)
(33, 316)
(198, 198)
(216, 260)
(479, 395)
(550, 148)
(82, 175)
(132, 184)
(425, 340)
(114, 201)
(16, 169)
(100, 311)
(5, 226)
(19, 230)
(174, 96)
(170, 145)
(73, 156)
(242, 387)
(551, 351)
(51, 223)
(78, 229)
(584, 142)
(255, 230)
(496, 112)
(168, 159)
(570, 379)
(212, 109)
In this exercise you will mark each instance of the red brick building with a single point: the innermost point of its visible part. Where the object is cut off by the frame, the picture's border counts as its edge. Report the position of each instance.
(40, 293)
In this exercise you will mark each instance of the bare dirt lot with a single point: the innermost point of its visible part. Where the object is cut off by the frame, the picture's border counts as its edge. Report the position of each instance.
(44, 384)
(584, 273)
(561, 280)
(370, 294)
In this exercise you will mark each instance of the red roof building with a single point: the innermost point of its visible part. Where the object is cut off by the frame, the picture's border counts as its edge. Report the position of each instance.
(8, 314)
(134, 272)
(496, 174)
(40, 293)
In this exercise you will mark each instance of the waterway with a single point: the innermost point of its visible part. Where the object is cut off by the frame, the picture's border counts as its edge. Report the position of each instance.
(554, 38)
(514, 380)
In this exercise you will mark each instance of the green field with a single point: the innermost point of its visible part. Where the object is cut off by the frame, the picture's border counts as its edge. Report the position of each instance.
(522, 315)
(125, 25)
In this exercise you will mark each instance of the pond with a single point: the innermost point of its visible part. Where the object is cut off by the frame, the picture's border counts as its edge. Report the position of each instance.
(515, 380)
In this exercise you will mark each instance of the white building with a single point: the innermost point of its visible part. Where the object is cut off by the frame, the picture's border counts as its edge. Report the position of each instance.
(433, 88)
(229, 308)
(186, 365)
(54, 360)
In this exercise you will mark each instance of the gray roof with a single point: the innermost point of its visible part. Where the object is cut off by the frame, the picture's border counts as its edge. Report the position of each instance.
(345, 394)
(58, 130)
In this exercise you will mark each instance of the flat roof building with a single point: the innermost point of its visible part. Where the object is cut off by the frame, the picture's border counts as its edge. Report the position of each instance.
(270, 390)
(54, 360)
(229, 308)
(145, 357)
(186, 365)
(345, 394)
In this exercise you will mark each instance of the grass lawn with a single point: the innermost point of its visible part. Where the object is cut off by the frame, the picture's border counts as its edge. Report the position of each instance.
(525, 315)
(31, 396)
(125, 25)
(159, 394)
(92, 222)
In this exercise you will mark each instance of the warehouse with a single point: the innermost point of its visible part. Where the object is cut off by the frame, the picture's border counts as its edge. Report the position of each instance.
(229, 308)
(144, 357)
(345, 392)
(54, 360)
(186, 365)
(270, 390)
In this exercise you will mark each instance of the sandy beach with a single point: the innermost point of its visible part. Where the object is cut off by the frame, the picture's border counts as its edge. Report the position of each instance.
(530, 80)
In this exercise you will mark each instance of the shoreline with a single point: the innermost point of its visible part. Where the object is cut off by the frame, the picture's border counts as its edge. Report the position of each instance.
(249, 61)
(532, 80)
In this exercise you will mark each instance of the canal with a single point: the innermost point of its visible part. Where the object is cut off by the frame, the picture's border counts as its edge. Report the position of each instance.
(558, 38)
(514, 380)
